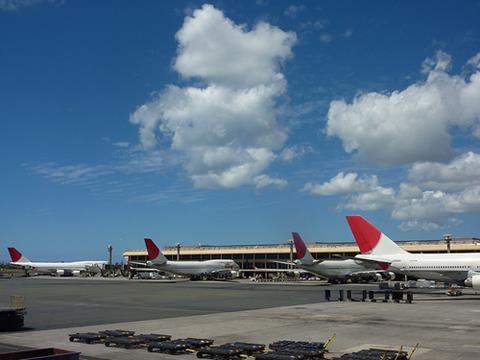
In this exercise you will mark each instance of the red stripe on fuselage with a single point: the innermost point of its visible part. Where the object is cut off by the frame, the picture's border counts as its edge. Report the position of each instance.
(383, 265)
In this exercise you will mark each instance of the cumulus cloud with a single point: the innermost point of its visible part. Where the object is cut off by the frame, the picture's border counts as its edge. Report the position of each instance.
(364, 193)
(413, 225)
(432, 198)
(413, 124)
(295, 152)
(226, 128)
(262, 181)
(378, 197)
(214, 49)
(462, 172)
(341, 184)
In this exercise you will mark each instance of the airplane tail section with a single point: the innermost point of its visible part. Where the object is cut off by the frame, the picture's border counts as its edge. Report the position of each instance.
(17, 256)
(154, 253)
(302, 252)
(370, 240)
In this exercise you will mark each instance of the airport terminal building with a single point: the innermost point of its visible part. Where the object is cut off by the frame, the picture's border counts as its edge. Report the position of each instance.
(262, 258)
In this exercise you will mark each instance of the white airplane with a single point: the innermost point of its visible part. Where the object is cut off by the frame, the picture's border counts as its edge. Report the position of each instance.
(57, 268)
(336, 270)
(376, 247)
(194, 269)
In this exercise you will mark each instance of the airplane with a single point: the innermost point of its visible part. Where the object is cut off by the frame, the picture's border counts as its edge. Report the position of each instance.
(335, 270)
(378, 248)
(219, 268)
(57, 268)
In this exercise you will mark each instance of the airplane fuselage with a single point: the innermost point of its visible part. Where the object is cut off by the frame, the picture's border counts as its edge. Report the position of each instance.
(438, 267)
(54, 266)
(334, 268)
(188, 268)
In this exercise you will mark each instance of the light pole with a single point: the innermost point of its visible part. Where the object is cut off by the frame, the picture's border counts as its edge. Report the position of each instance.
(447, 238)
(177, 245)
(110, 250)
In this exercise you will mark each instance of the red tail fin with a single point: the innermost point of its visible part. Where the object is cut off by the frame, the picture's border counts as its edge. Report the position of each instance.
(152, 249)
(371, 240)
(300, 247)
(15, 255)
(366, 235)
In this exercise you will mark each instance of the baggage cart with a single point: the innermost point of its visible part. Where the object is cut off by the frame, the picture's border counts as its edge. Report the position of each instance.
(87, 338)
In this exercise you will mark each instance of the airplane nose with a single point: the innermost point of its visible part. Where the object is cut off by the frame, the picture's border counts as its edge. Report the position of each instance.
(232, 265)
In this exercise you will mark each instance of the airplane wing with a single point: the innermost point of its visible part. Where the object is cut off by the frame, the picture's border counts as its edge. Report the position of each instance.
(142, 269)
(283, 262)
(368, 272)
(381, 264)
(299, 271)
(137, 263)
(341, 257)
(292, 263)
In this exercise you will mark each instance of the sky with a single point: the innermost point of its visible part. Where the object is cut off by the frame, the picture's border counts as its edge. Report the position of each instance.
(235, 122)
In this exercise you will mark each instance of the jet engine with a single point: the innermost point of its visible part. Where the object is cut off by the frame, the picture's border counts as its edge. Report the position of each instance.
(389, 275)
(60, 272)
(473, 282)
(76, 272)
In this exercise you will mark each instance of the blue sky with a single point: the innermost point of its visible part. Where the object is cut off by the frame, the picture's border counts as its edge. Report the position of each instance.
(235, 122)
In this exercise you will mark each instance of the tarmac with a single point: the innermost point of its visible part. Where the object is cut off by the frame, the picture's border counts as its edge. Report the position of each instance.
(444, 327)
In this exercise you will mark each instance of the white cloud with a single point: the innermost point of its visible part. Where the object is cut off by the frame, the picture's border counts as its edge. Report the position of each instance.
(460, 173)
(348, 33)
(412, 124)
(262, 181)
(474, 61)
(295, 152)
(442, 62)
(364, 193)
(432, 199)
(128, 161)
(341, 184)
(227, 128)
(215, 49)
(437, 204)
(227, 167)
(378, 197)
(71, 174)
(413, 225)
